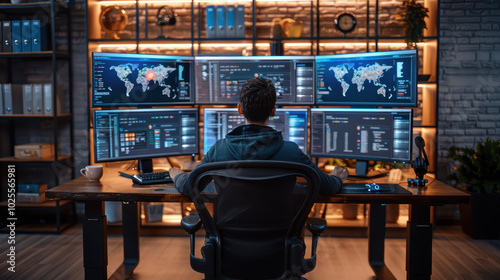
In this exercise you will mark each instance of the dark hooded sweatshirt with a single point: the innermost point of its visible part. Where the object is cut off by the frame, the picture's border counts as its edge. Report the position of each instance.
(255, 142)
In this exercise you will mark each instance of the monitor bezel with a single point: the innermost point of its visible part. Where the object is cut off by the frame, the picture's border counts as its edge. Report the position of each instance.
(256, 58)
(140, 157)
(192, 77)
(414, 87)
(358, 157)
(307, 110)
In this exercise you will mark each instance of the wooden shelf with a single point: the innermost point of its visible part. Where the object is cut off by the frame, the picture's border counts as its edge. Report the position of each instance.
(41, 54)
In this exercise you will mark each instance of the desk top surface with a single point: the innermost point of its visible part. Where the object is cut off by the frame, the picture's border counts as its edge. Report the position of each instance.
(113, 187)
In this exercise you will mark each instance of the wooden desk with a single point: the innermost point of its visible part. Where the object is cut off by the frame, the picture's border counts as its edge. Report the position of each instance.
(115, 188)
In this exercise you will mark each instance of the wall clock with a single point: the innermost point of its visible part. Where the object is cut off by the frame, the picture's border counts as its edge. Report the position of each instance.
(345, 22)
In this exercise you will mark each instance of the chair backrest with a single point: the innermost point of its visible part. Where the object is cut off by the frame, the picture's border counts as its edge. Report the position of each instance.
(258, 213)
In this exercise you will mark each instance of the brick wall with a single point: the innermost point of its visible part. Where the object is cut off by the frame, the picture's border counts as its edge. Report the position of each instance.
(469, 83)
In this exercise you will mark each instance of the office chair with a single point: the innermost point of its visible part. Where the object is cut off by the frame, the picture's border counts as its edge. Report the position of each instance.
(259, 216)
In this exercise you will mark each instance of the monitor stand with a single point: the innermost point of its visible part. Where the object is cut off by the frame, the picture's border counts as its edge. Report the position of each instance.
(145, 165)
(363, 173)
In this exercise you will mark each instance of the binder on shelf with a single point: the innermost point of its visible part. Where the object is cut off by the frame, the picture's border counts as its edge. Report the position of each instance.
(38, 36)
(230, 22)
(221, 22)
(1, 98)
(6, 36)
(48, 100)
(13, 102)
(210, 11)
(26, 35)
(37, 99)
(240, 21)
(16, 36)
(27, 99)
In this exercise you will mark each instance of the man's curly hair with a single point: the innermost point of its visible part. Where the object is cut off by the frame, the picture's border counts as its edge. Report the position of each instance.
(257, 99)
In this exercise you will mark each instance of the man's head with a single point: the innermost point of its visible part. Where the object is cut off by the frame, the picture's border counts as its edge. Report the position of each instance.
(257, 100)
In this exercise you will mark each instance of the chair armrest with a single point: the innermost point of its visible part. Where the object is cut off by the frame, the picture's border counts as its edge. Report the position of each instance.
(316, 225)
(191, 224)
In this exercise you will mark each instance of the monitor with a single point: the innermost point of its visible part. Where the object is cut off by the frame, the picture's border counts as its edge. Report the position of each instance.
(126, 79)
(219, 79)
(362, 134)
(385, 79)
(220, 121)
(143, 134)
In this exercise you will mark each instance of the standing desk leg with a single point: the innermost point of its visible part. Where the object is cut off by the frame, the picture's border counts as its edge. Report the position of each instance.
(130, 230)
(419, 243)
(376, 242)
(131, 222)
(95, 242)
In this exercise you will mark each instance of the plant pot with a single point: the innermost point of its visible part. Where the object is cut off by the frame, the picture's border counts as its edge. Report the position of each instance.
(480, 217)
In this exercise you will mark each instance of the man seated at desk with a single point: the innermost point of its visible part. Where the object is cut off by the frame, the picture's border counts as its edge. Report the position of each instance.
(257, 141)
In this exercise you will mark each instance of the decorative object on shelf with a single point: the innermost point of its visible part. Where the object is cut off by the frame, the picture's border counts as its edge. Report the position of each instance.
(413, 15)
(113, 20)
(165, 16)
(16, 1)
(286, 27)
(345, 22)
(479, 170)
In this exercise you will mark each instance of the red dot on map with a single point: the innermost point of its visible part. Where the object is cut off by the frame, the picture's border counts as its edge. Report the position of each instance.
(150, 75)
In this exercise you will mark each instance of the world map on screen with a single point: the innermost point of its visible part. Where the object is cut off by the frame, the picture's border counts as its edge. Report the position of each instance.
(361, 76)
(145, 76)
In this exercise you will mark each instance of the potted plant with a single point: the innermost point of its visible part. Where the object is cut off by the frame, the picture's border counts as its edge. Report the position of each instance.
(479, 172)
(413, 15)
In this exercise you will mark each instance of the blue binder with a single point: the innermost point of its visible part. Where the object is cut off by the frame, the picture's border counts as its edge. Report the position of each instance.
(210, 21)
(230, 22)
(26, 35)
(38, 36)
(240, 21)
(16, 36)
(221, 22)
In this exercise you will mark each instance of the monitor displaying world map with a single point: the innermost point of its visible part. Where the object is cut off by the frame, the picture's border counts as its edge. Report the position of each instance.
(372, 79)
(124, 79)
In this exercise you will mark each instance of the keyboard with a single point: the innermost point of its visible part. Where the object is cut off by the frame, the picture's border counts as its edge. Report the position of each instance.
(152, 178)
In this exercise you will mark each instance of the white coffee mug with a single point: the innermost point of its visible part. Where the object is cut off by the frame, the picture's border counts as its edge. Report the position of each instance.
(92, 172)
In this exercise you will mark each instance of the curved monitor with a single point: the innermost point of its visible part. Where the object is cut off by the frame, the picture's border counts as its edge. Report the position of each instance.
(129, 134)
(387, 79)
(363, 134)
(220, 121)
(129, 79)
(219, 79)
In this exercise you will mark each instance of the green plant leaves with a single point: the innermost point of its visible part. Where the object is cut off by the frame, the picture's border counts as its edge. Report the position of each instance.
(480, 167)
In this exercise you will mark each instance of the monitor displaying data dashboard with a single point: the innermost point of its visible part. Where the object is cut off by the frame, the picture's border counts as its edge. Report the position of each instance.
(220, 121)
(129, 79)
(129, 134)
(219, 79)
(363, 134)
(367, 79)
